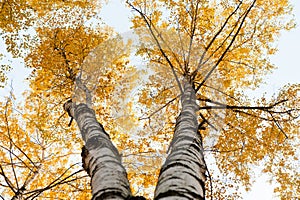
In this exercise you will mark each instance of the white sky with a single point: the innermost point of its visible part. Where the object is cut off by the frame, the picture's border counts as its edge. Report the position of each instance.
(286, 59)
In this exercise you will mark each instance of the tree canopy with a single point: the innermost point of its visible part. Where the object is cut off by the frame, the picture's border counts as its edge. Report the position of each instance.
(207, 48)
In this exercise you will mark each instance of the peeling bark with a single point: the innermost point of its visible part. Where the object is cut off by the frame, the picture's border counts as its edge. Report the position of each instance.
(183, 174)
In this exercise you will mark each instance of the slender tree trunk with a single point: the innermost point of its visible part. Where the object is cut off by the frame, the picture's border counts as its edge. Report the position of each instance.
(100, 157)
(183, 174)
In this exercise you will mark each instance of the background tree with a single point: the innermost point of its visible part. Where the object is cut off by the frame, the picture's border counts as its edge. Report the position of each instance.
(41, 164)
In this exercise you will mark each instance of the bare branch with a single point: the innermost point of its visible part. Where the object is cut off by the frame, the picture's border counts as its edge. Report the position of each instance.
(225, 106)
(206, 121)
(56, 182)
(165, 105)
(221, 92)
(228, 47)
(279, 126)
(215, 37)
(18, 158)
(9, 183)
(150, 25)
(192, 34)
(10, 145)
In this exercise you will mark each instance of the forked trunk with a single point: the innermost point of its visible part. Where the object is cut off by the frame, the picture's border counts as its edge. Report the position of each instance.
(182, 176)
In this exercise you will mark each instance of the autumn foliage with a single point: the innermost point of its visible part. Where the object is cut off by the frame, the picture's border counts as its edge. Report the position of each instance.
(220, 48)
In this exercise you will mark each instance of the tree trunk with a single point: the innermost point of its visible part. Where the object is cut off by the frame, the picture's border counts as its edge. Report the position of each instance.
(183, 174)
(100, 157)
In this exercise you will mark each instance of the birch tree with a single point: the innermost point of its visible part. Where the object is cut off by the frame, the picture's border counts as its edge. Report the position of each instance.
(219, 49)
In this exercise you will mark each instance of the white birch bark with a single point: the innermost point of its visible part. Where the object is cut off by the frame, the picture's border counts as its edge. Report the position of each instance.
(182, 176)
(101, 159)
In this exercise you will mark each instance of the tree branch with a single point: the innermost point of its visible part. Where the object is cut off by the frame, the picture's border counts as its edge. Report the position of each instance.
(225, 106)
(165, 105)
(214, 38)
(228, 47)
(149, 25)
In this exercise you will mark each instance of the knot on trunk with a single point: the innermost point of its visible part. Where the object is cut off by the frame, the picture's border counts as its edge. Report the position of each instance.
(68, 108)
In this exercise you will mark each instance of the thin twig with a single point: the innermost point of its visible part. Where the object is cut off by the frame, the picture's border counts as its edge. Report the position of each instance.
(165, 105)
(228, 47)
(149, 25)
(214, 38)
